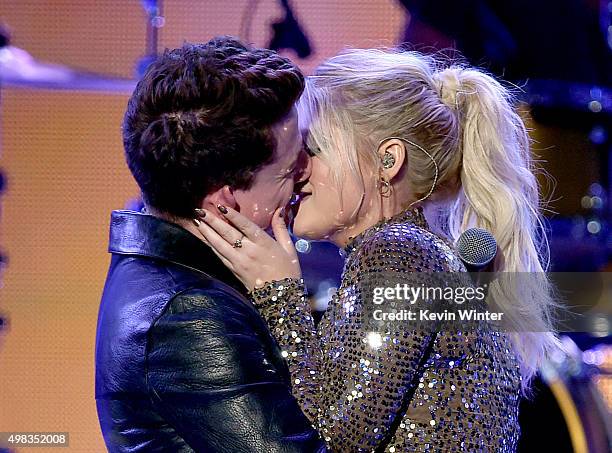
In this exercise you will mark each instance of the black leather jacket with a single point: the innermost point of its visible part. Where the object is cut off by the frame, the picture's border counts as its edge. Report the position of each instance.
(184, 362)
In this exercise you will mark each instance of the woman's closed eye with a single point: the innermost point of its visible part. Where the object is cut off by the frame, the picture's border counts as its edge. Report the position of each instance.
(312, 152)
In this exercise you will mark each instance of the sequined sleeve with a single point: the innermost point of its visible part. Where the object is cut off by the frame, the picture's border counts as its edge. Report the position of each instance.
(348, 379)
(284, 306)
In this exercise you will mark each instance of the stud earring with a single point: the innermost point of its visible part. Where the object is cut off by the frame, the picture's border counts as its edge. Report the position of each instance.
(388, 160)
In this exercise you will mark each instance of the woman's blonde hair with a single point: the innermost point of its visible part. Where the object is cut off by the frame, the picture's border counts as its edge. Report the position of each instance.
(467, 121)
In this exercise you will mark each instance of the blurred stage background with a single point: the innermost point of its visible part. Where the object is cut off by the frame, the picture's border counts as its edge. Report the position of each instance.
(62, 157)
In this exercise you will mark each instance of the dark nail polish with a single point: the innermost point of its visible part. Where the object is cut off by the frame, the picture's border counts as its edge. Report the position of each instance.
(222, 208)
(282, 213)
(200, 212)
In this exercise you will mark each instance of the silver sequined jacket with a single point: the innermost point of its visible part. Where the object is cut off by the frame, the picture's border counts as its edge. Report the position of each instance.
(463, 387)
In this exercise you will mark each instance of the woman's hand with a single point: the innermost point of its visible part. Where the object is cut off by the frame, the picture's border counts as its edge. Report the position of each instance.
(247, 250)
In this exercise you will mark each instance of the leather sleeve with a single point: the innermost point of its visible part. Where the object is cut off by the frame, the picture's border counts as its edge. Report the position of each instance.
(215, 374)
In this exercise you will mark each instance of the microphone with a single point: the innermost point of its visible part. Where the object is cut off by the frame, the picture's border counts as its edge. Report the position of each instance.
(476, 248)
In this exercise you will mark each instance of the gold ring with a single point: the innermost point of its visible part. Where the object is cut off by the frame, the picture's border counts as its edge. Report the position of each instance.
(237, 244)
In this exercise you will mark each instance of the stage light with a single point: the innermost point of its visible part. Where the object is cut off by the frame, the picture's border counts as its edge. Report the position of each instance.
(302, 246)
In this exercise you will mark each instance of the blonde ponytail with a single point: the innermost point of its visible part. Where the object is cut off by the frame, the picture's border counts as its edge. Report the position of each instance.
(499, 192)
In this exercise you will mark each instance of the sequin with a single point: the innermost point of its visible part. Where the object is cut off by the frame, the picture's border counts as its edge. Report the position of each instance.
(465, 397)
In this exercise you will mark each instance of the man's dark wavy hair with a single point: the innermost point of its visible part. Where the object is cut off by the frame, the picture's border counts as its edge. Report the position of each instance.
(201, 118)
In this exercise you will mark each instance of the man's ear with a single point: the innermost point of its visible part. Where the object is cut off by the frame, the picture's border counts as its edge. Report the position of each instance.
(223, 196)
(392, 154)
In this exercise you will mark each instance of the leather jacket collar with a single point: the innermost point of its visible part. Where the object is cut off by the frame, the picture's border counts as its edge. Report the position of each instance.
(134, 233)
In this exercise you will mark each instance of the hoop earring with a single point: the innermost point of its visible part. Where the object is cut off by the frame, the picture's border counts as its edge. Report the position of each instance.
(385, 188)
(419, 147)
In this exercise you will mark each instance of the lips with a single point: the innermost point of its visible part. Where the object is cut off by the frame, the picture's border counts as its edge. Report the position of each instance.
(299, 193)
(298, 197)
(294, 206)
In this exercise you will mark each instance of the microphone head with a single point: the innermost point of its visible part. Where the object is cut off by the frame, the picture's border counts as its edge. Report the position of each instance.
(476, 247)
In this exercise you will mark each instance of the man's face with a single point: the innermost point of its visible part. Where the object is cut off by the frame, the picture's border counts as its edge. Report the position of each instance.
(273, 184)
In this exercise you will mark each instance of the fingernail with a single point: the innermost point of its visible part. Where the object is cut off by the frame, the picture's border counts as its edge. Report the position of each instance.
(222, 208)
(282, 213)
(200, 212)
(197, 222)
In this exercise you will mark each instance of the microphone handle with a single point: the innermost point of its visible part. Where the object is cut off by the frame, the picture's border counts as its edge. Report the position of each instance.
(480, 275)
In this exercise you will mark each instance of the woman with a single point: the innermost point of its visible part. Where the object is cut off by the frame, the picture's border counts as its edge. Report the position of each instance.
(407, 155)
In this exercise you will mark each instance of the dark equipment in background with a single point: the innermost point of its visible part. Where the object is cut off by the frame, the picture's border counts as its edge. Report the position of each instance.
(518, 40)
(569, 408)
(5, 35)
(155, 20)
(288, 34)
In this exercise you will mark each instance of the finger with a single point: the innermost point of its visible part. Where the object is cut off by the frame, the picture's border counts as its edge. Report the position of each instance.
(201, 236)
(217, 243)
(246, 226)
(281, 233)
(223, 229)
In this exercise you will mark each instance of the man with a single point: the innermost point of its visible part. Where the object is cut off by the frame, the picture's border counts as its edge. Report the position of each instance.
(183, 361)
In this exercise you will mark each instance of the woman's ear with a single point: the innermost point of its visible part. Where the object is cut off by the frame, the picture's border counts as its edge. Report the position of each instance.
(392, 154)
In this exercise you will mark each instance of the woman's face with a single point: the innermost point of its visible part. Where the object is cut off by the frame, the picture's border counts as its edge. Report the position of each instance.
(329, 212)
